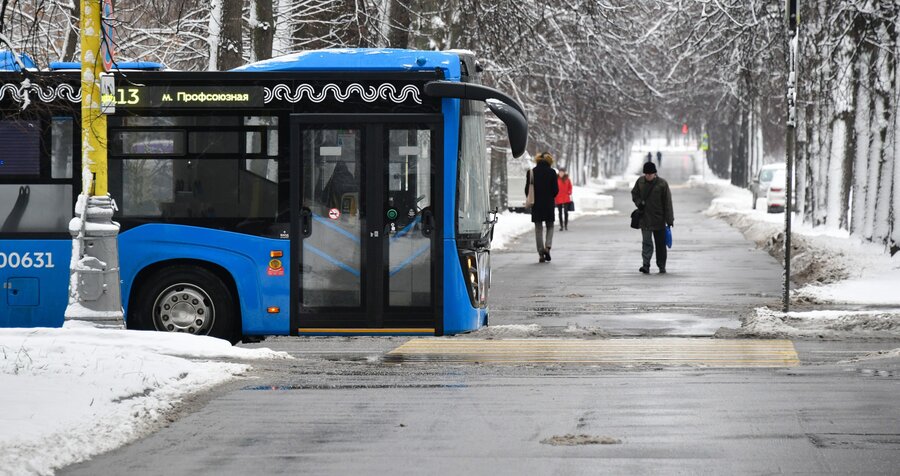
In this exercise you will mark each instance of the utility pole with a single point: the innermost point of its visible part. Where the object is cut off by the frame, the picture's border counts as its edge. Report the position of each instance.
(791, 18)
(94, 288)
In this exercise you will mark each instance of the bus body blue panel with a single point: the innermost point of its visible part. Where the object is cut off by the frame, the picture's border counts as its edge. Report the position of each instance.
(361, 59)
(244, 257)
(34, 282)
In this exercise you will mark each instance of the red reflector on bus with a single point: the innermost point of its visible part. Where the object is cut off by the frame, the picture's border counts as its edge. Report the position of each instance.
(775, 189)
(274, 310)
(276, 254)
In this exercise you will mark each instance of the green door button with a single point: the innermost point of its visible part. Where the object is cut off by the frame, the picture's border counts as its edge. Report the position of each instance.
(392, 214)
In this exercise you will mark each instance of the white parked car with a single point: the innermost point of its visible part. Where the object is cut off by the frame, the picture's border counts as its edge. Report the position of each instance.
(776, 194)
(759, 187)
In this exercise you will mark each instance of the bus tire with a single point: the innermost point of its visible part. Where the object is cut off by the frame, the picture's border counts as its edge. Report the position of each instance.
(187, 299)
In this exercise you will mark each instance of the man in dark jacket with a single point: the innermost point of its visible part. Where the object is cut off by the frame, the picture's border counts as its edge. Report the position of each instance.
(546, 188)
(652, 196)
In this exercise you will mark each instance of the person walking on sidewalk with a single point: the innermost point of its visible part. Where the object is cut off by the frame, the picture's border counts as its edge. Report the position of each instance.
(564, 202)
(545, 189)
(652, 196)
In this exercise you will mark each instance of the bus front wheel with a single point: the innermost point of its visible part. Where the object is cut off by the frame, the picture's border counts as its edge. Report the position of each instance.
(186, 299)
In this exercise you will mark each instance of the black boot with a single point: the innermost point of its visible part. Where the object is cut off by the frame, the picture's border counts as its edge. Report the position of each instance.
(547, 253)
(644, 269)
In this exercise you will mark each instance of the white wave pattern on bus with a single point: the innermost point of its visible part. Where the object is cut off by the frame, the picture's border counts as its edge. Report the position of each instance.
(20, 92)
(386, 91)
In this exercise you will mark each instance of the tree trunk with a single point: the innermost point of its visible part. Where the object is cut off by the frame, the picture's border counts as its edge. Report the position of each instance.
(739, 155)
(72, 35)
(876, 226)
(282, 42)
(398, 23)
(263, 30)
(894, 241)
(840, 164)
(862, 115)
(215, 34)
(231, 47)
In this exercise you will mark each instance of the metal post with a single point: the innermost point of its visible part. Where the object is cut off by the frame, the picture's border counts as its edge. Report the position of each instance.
(94, 288)
(788, 209)
(790, 141)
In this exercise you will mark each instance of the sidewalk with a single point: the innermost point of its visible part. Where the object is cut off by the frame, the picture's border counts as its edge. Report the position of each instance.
(593, 287)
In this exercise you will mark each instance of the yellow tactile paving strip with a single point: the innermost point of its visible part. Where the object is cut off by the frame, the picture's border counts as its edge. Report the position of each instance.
(614, 352)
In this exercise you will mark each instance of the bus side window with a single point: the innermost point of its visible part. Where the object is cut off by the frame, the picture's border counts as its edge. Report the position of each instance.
(259, 143)
(29, 206)
(21, 148)
(61, 145)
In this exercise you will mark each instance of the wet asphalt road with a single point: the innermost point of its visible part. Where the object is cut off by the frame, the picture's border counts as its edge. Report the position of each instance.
(341, 408)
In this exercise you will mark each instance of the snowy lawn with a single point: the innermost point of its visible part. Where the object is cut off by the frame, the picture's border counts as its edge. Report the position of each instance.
(831, 269)
(78, 391)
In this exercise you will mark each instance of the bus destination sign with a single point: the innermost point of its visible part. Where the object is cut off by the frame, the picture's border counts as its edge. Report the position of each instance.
(180, 97)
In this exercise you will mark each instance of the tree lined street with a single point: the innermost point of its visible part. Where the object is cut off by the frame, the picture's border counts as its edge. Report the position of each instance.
(321, 194)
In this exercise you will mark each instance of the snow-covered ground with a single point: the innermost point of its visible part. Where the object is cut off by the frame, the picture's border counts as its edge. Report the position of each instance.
(853, 285)
(74, 392)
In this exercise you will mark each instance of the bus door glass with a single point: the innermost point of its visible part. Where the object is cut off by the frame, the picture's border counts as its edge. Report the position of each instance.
(331, 180)
(409, 225)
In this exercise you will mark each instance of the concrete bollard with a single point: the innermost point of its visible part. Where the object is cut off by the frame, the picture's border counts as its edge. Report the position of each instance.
(95, 294)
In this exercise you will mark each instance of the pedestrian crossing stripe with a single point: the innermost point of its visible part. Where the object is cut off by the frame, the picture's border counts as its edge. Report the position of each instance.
(692, 352)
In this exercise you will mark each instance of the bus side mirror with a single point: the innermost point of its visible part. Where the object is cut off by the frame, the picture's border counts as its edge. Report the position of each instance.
(516, 125)
(505, 107)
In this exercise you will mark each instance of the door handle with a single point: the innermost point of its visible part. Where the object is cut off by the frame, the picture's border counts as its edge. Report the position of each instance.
(305, 222)
(427, 223)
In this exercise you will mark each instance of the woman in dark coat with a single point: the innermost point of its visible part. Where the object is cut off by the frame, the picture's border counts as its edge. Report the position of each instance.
(545, 190)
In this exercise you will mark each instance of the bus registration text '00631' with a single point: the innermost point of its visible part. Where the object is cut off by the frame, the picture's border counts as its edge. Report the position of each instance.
(26, 260)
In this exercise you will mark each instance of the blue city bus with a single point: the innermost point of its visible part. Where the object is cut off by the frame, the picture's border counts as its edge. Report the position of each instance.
(329, 192)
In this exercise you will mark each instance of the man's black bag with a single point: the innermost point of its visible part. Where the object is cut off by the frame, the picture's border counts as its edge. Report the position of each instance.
(636, 219)
(636, 214)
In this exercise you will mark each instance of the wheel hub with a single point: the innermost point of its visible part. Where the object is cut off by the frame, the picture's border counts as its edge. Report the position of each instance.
(183, 307)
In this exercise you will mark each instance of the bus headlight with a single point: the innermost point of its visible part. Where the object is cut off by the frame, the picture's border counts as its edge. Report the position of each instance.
(477, 273)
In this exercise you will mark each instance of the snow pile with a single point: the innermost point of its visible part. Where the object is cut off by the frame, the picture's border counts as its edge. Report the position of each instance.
(574, 330)
(830, 265)
(506, 331)
(822, 324)
(881, 354)
(78, 391)
(509, 226)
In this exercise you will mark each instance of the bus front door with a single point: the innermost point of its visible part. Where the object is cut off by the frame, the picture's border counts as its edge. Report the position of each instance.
(365, 225)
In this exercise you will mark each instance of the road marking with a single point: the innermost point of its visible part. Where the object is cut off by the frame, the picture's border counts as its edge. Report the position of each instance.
(694, 352)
